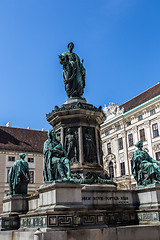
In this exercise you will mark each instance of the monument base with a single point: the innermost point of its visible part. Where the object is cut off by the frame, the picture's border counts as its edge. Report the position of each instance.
(12, 207)
(69, 205)
(148, 199)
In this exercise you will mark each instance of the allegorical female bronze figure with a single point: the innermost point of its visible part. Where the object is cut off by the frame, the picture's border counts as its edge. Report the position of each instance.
(73, 73)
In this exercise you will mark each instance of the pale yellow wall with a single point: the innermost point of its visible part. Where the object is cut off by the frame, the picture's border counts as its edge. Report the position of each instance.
(2, 178)
(39, 171)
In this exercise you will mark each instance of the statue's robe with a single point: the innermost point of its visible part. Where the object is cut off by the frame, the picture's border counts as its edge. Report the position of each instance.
(144, 168)
(54, 157)
(75, 78)
(19, 177)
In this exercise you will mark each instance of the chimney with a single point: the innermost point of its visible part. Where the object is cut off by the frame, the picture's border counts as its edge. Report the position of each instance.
(8, 124)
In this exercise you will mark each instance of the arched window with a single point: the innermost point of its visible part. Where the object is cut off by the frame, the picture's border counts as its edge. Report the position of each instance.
(111, 170)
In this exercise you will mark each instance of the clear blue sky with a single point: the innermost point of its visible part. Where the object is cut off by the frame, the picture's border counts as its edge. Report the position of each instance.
(119, 41)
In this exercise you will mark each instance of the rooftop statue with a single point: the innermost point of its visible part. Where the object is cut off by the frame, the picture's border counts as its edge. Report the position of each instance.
(73, 73)
(112, 110)
(56, 164)
(145, 169)
(19, 176)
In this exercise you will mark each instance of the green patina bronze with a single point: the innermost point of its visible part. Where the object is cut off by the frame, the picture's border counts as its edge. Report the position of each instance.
(56, 164)
(19, 177)
(75, 107)
(73, 73)
(144, 168)
(93, 178)
(71, 145)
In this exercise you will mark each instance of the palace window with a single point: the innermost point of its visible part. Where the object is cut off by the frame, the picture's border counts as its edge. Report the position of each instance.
(109, 148)
(128, 123)
(11, 158)
(111, 170)
(8, 169)
(155, 130)
(122, 169)
(130, 139)
(140, 117)
(120, 143)
(118, 127)
(158, 156)
(30, 159)
(142, 135)
(31, 177)
(152, 112)
(107, 133)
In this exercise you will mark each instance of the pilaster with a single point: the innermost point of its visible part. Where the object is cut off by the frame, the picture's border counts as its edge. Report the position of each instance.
(149, 137)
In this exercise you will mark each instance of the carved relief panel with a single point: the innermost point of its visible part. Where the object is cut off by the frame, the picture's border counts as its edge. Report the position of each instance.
(100, 148)
(71, 144)
(58, 135)
(89, 145)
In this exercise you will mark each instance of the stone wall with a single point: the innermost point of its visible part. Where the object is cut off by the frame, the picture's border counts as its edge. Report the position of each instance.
(147, 232)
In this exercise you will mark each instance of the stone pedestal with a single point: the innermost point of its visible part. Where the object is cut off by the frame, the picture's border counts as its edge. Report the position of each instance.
(60, 206)
(119, 205)
(81, 122)
(12, 207)
(60, 196)
(148, 200)
(70, 205)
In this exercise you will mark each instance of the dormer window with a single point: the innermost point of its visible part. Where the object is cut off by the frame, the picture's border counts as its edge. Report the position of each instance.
(140, 117)
(152, 112)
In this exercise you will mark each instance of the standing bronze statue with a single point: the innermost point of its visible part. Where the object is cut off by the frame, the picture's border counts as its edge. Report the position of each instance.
(19, 176)
(71, 145)
(56, 164)
(145, 169)
(73, 73)
(90, 153)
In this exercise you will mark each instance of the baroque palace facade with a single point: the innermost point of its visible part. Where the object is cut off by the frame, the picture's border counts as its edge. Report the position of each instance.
(137, 119)
(17, 140)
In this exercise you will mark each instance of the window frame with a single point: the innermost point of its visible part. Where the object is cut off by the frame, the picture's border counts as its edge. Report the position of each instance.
(130, 140)
(142, 136)
(140, 117)
(106, 133)
(120, 143)
(109, 149)
(155, 132)
(11, 157)
(118, 127)
(128, 123)
(152, 113)
(30, 158)
(111, 173)
(123, 170)
(8, 169)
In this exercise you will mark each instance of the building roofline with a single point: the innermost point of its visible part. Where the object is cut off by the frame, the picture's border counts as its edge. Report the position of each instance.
(139, 94)
(23, 128)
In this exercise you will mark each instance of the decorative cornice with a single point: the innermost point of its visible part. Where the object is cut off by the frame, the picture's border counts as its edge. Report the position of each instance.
(74, 107)
(112, 111)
